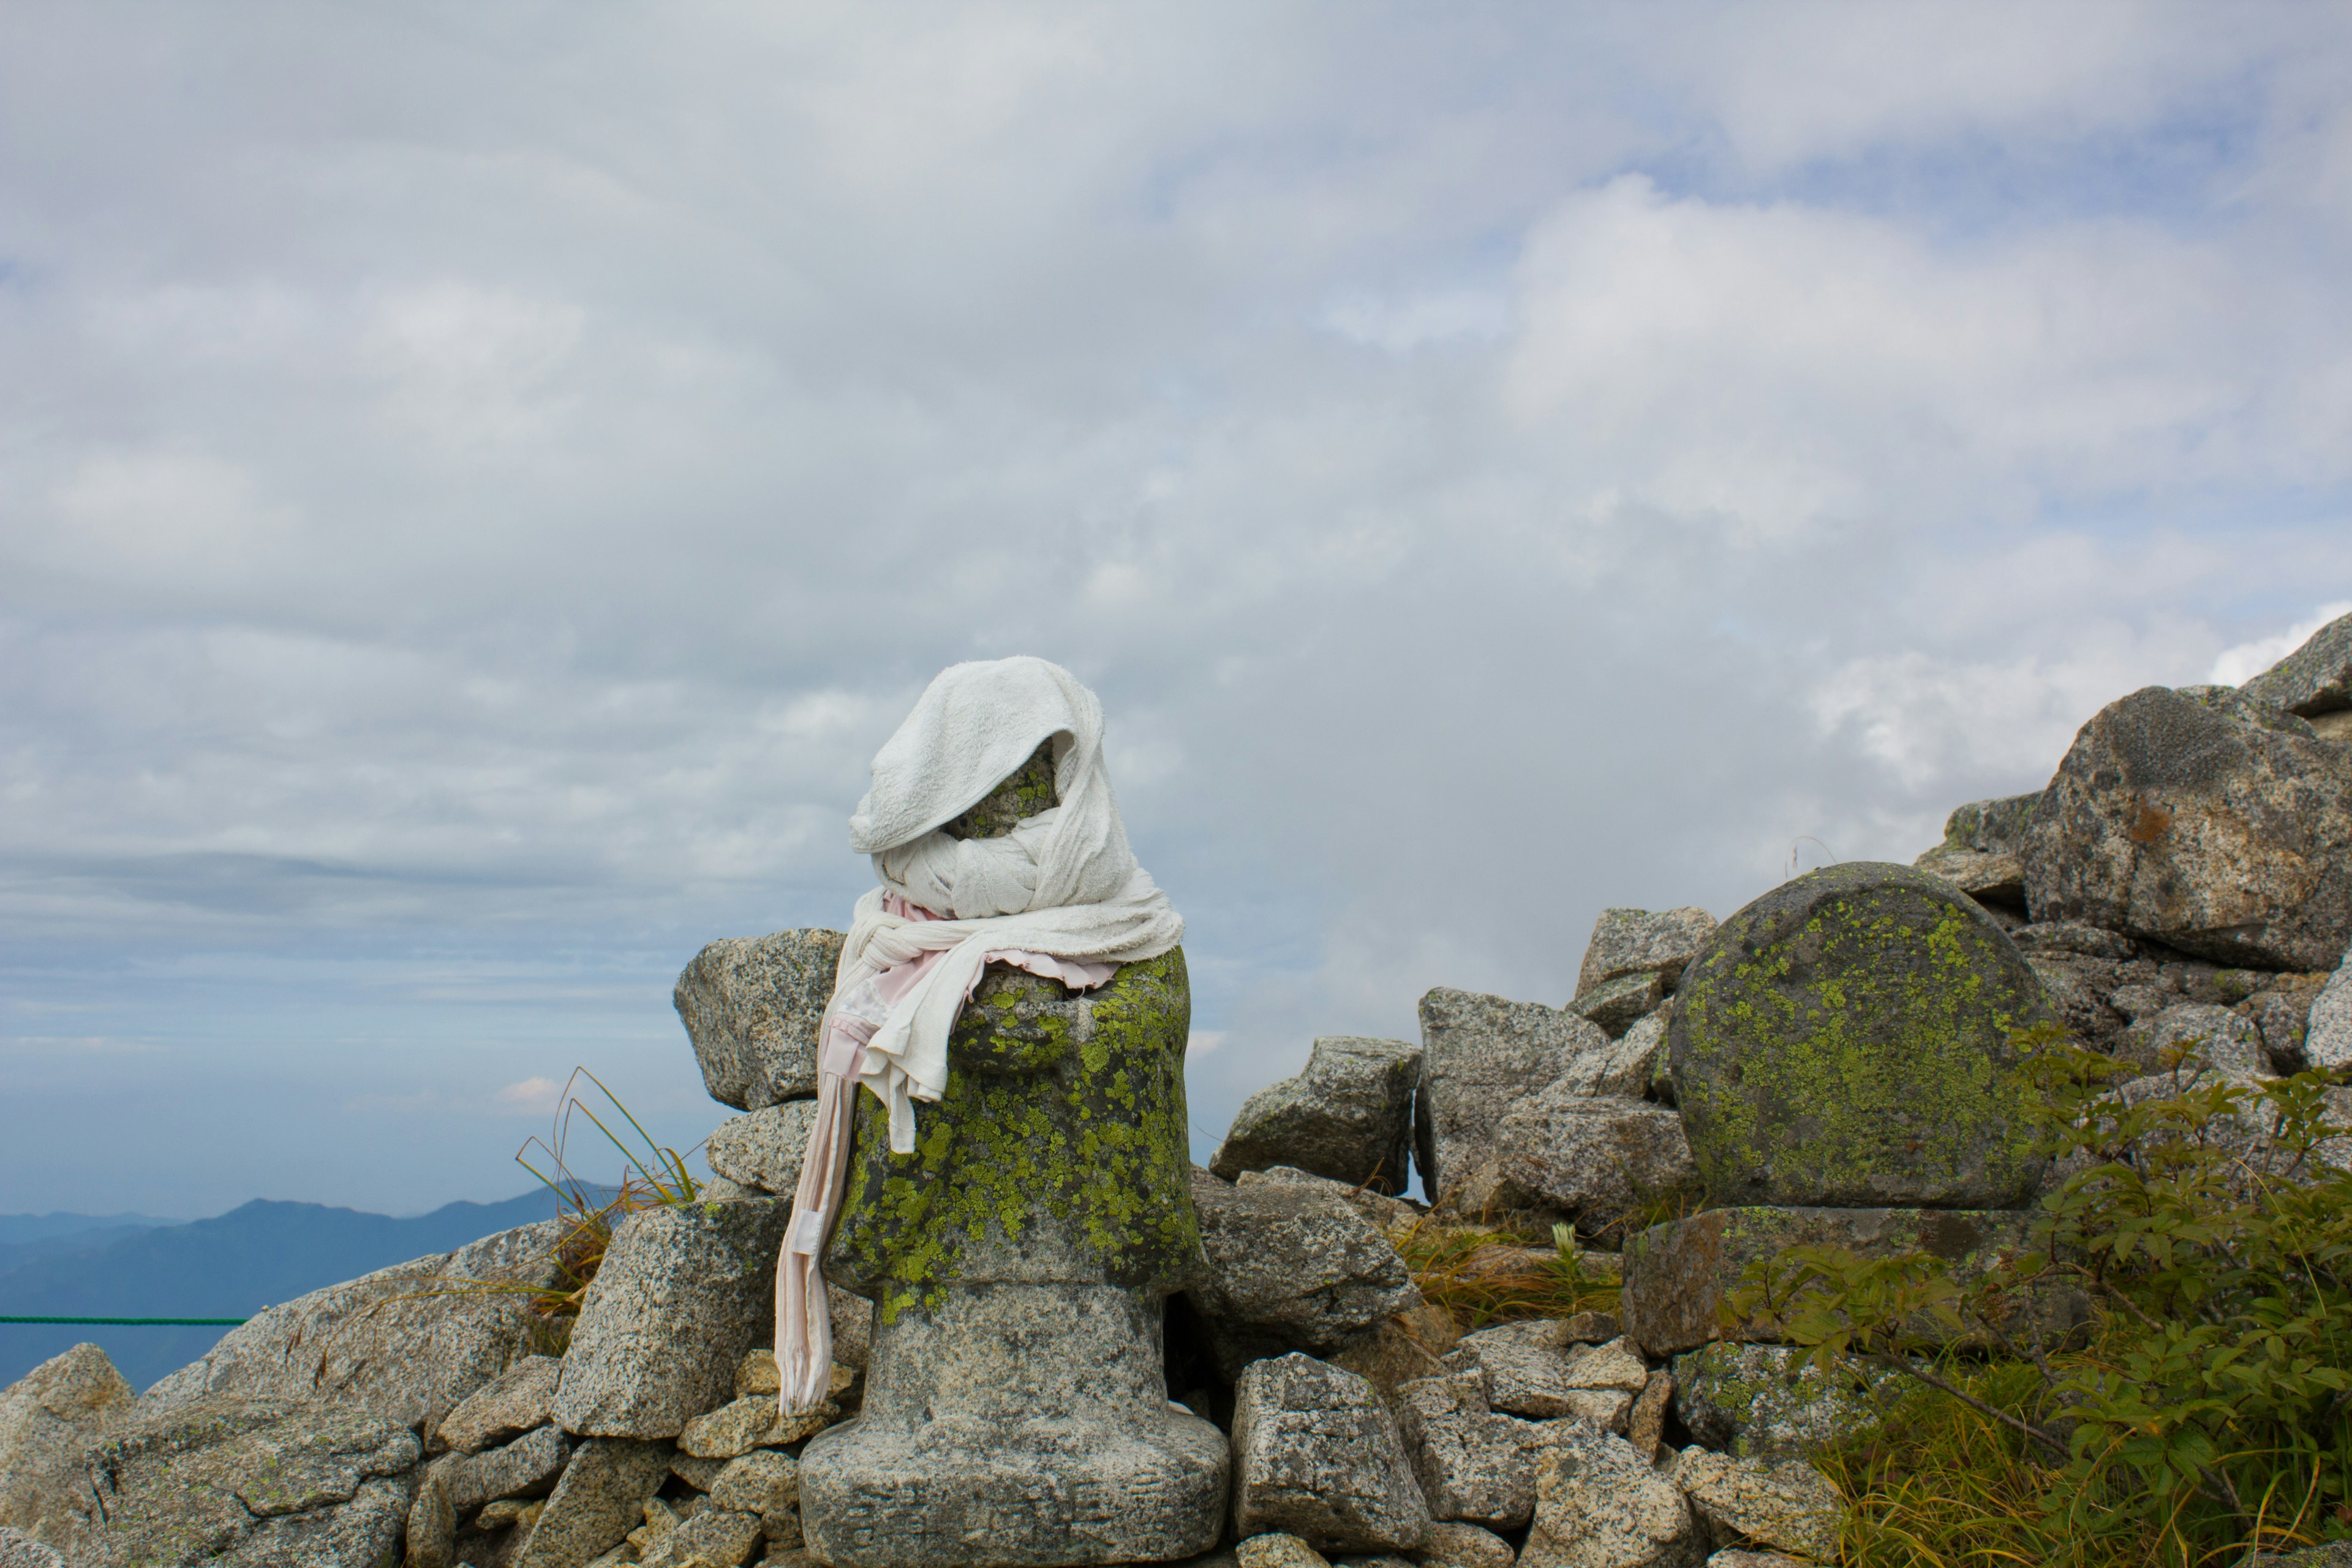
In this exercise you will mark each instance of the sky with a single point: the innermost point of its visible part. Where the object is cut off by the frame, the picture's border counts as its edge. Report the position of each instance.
(479, 483)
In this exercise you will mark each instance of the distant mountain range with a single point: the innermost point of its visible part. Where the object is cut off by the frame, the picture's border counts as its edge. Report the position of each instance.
(128, 1266)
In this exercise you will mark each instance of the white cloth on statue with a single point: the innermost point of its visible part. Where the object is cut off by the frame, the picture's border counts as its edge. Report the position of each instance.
(1060, 896)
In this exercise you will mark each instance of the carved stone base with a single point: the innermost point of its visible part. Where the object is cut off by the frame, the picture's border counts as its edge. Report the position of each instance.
(1018, 1424)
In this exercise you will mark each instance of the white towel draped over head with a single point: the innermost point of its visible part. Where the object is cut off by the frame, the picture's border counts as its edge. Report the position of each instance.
(1061, 895)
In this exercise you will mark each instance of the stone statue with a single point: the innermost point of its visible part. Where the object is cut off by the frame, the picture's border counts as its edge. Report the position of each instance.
(1015, 1409)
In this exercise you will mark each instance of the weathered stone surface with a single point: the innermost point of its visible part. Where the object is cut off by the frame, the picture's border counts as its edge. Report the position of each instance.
(1348, 1117)
(755, 1421)
(407, 1342)
(1739, 1557)
(1318, 1455)
(47, 1417)
(524, 1468)
(1979, 854)
(2315, 679)
(2249, 1134)
(244, 1482)
(1599, 1504)
(699, 1474)
(2219, 835)
(1482, 1055)
(1591, 1159)
(717, 1536)
(763, 1151)
(18, 1549)
(2327, 1040)
(751, 1006)
(1401, 1349)
(1768, 1402)
(1473, 1465)
(433, 1516)
(1846, 1040)
(1277, 1548)
(1018, 1422)
(517, 1399)
(1784, 1505)
(1634, 1058)
(2075, 937)
(2222, 1038)
(682, 1293)
(1450, 1544)
(1387, 1213)
(1646, 1424)
(1613, 1005)
(1638, 942)
(1677, 1274)
(762, 1483)
(1531, 1369)
(600, 1499)
(1290, 1267)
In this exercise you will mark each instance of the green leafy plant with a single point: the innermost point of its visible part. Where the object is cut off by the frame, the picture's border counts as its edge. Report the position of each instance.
(2206, 1409)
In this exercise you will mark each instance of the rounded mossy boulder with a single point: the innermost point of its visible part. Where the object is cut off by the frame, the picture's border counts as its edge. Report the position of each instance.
(1846, 1040)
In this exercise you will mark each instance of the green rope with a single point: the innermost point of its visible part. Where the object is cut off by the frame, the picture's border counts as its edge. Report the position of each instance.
(140, 1322)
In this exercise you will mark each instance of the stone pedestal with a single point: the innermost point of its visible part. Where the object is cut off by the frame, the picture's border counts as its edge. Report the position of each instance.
(1016, 1409)
(1017, 1424)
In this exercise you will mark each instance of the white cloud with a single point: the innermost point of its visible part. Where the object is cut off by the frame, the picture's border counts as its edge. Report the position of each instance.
(2237, 664)
(534, 1096)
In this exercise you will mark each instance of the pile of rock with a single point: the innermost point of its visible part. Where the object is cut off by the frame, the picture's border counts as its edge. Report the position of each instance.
(1833, 1063)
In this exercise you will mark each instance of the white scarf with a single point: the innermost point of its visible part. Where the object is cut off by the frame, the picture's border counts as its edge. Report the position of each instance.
(1061, 895)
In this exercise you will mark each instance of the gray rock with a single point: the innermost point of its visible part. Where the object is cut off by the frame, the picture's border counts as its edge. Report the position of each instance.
(1770, 1401)
(2314, 679)
(1348, 1116)
(18, 1549)
(2073, 936)
(1290, 1267)
(433, 1516)
(2226, 1041)
(755, 1421)
(1277, 1548)
(1387, 1213)
(1318, 1455)
(47, 1419)
(1739, 1557)
(1600, 1505)
(1613, 1005)
(2328, 1040)
(1400, 1350)
(2082, 1005)
(1846, 1039)
(763, 1483)
(524, 1467)
(2181, 824)
(1783, 1505)
(517, 1400)
(1632, 1061)
(718, 1536)
(600, 1499)
(1980, 853)
(763, 1151)
(246, 1482)
(1482, 1055)
(1014, 1424)
(2249, 1133)
(2280, 1022)
(1677, 1274)
(1529, 1369)
(682, 1293)
(852, 1327)
(1591, 1159)
(751, 1006)
(1638, 942)
(1476, 1465)
(1646, 1423)
(1453, 1545)
(407, 1342)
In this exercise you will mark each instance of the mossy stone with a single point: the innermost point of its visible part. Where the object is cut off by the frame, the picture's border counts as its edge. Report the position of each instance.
(1059, 1152)
(1846, 1040)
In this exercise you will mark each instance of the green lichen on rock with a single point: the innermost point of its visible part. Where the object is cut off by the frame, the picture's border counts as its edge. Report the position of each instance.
(1846, 1039)
(1027, 791)
(1059, 1151)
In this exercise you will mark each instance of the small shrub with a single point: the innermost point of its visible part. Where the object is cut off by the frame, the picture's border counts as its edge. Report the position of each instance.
(1483, 1275)
(2209, 1408)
